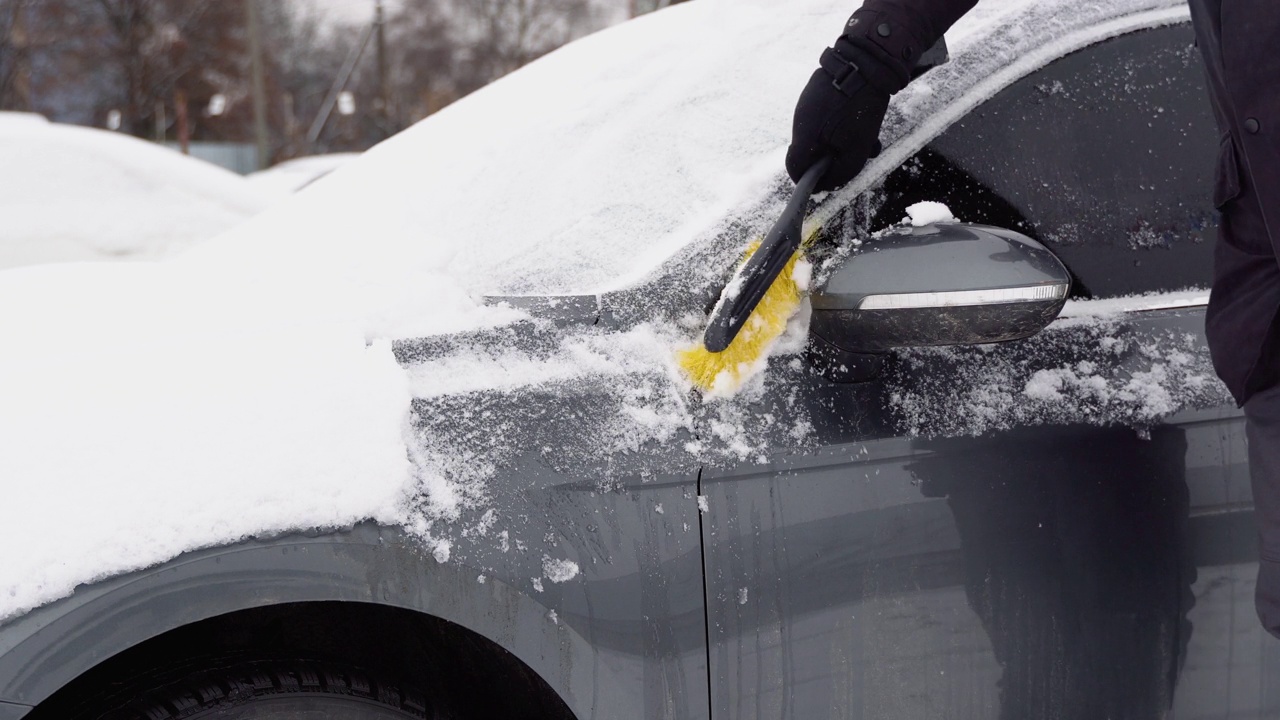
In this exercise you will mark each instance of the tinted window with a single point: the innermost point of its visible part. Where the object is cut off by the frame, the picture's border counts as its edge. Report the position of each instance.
(1105, 155)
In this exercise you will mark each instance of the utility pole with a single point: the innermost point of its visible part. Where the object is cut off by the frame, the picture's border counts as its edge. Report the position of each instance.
(180, 114)
(339, 83)
(384, 88)
(259, 85)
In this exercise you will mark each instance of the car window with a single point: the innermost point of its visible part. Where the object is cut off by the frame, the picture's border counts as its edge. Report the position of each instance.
(1105, 156)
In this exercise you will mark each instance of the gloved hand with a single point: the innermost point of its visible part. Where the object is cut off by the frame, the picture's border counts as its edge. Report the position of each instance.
(839, 114)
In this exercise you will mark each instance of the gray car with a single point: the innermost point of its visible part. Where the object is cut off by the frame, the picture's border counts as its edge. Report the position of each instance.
(1000, 481)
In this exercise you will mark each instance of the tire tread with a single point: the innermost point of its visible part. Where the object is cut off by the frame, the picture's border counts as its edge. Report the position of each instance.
(243, 683)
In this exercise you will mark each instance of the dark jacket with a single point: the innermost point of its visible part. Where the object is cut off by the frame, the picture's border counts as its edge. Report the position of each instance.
(1243, 319)
(1244, 87)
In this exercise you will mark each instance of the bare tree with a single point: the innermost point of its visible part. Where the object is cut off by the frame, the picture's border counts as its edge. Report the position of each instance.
(27, 30)
(12, 52)
(508, 34)
(640, 7)
(157, 48)
(448, 48)
(300, 66)
(78, 60)
(426, 62)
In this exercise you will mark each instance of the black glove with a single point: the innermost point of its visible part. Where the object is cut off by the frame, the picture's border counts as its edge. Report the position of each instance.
(843, 106)
(838, 115)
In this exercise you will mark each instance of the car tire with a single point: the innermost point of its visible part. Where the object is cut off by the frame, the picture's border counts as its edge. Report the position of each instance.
(278, 691)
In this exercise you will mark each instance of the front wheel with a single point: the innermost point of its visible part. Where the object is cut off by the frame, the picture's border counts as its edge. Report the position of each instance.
(277, 691)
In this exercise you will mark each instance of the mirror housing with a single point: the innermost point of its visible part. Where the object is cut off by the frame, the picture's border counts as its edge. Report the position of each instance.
(939, 284)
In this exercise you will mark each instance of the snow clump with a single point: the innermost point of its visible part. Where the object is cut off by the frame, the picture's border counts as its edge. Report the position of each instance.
(558, 571)
(928, 213)
(1106, 370)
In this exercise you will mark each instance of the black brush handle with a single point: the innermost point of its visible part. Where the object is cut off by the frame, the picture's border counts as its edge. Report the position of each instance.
(755, 276)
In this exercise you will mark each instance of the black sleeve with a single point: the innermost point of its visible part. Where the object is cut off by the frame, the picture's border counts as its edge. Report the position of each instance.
(897, 32)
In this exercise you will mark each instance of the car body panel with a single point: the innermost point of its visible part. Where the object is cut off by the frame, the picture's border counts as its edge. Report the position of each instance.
(1041, 553)
(621, 634)
(843, 553)
(627, 632)
(882, 576)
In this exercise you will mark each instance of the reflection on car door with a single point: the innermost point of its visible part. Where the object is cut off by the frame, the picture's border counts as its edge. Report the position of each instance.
(1070, 569)
(1059, 527)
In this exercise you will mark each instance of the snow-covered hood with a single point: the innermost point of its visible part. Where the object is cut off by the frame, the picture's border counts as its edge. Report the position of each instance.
(250, 387)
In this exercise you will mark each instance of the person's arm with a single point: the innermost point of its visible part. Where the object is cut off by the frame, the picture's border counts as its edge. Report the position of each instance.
(841, 109)
(895, 33)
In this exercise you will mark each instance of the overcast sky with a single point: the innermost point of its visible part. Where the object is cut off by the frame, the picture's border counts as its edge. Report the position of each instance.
(346, 11)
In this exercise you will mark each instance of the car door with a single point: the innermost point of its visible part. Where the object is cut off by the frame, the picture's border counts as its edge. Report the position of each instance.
(1054, 527)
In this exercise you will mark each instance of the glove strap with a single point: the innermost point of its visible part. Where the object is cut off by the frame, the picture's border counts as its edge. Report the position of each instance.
(894, 36)
(845, 74)
(846, 57)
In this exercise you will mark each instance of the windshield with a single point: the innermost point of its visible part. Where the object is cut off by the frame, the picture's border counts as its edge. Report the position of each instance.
(585, 170)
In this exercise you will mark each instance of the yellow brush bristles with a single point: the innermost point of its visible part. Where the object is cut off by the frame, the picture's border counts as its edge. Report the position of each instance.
(723, 371)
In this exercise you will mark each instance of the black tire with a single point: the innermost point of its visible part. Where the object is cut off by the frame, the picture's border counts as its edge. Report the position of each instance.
(278, 691)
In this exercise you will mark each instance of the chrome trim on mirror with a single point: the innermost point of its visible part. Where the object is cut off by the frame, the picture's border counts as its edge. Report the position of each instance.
(963, 298)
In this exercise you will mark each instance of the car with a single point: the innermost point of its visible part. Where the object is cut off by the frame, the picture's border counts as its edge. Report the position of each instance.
(290, 176)
(987, 472)
(76, 194)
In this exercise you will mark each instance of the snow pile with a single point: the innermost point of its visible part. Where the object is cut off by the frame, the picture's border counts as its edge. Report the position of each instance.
(928, 213)
(147, 412)
(558, 571)
(71, 193)
(286, 178)
(1095, 367)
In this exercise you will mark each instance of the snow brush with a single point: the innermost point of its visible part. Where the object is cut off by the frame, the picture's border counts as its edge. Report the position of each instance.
(756, 305)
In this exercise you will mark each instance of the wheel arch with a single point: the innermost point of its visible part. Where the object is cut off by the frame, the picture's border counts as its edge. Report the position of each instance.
(50, 647)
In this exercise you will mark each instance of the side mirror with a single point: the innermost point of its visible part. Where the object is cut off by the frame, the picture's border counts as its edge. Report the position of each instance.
(940, 284)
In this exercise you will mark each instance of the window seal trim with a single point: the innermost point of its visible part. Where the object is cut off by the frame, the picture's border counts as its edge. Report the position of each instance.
(1105, 307)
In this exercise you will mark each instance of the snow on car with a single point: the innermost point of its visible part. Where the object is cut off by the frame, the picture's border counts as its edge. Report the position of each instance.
(449, 365)
(213, 369)
(290, 176)
(73, 193)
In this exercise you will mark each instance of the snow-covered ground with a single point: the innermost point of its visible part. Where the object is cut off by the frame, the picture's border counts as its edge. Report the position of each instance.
(248, 387)
(290, 176)
(72, 193)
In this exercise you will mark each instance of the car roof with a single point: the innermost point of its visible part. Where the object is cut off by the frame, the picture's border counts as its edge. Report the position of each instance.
(583, 171)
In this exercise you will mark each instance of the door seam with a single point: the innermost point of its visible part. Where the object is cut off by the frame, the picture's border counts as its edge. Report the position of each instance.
(706, 598)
